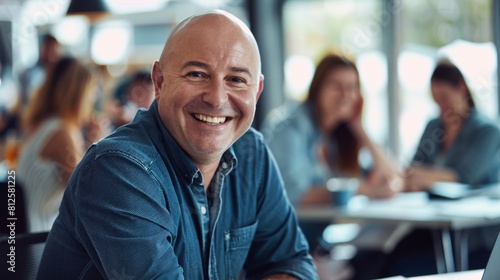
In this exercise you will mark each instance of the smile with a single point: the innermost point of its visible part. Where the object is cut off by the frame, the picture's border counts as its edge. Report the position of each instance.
(209, 119)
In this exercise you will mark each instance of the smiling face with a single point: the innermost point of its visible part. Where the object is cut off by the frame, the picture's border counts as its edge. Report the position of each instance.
(207, 83)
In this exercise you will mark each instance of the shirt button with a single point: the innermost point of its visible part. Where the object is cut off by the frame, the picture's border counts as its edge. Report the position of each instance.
(196, 175)
(224, 165)
(203, 210)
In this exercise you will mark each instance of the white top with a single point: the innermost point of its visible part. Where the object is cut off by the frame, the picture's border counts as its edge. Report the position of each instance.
(40, 179)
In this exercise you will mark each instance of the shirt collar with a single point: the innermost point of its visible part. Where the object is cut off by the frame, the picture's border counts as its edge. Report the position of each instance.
(228, 161)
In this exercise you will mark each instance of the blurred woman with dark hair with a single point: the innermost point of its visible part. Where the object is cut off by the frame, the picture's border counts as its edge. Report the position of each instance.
(335, 103)
(461, 145)
(323, 138)
(53, 123)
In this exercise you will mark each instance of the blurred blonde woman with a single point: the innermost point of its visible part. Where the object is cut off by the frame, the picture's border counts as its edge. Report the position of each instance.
(52, 124)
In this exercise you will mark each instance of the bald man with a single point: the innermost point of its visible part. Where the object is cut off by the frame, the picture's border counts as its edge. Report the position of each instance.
(187, 190)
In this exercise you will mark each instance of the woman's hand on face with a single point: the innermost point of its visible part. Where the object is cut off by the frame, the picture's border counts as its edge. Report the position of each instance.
(358, 107)
(355, 122)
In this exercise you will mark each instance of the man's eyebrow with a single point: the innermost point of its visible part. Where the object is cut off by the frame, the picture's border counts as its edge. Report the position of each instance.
(195, 63)
(242, 70)
(205, 66)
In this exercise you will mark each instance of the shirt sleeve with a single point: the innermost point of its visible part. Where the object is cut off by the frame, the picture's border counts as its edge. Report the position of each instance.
(279, 245)
(124, 223)
(478, 157)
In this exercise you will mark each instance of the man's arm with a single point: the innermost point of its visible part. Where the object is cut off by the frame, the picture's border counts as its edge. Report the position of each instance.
(124, 223)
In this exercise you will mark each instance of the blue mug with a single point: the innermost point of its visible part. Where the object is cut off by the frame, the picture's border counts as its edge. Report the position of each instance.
(342, 189)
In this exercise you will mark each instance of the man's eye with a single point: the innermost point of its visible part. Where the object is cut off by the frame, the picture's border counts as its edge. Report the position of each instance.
(195, 75)
(236, 80)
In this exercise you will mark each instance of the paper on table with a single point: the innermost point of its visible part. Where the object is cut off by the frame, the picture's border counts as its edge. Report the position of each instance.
(463, 275)
(407, 203)
(475, 207)
(393, 278)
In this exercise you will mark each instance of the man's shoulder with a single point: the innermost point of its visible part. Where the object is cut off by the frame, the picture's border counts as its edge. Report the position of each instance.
(482, 121)
(138, 139)
(250, 145)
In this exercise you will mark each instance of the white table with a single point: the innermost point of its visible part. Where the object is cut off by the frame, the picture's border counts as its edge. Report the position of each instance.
(416, 210)
(465, 275)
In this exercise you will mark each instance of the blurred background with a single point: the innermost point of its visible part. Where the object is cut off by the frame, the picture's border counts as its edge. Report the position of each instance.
(395, 44)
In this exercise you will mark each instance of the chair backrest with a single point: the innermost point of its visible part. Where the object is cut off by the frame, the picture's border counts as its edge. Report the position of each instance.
(21, 254)
(15, 203)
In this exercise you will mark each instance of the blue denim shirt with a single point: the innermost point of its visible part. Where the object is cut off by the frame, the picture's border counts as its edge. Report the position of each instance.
(136, 208)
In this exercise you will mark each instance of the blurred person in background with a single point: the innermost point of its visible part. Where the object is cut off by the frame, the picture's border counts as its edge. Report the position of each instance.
(133, 92)
(9, 104)
(460, 145)
(8, 119)
(324, 138)
(33, 77)
(52, 124)
(29, 81)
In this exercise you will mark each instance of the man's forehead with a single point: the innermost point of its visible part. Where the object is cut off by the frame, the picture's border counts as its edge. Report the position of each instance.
(214, 18)
(201, 45)
(213, 34)
(208, 29)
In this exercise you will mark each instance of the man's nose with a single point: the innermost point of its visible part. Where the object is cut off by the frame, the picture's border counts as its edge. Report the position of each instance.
(216, 93)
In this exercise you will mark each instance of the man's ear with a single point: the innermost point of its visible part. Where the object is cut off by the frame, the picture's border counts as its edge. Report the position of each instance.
(157, 76)
(261, 87)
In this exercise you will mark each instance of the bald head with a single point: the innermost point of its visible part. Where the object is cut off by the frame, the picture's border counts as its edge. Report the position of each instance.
(212, 23)
(207, 83)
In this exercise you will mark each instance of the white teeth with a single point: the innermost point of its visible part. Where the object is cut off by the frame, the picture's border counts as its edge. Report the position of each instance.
(209, 119)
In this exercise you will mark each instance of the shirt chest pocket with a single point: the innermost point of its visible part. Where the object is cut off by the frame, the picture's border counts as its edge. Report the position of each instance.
(237, 243)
